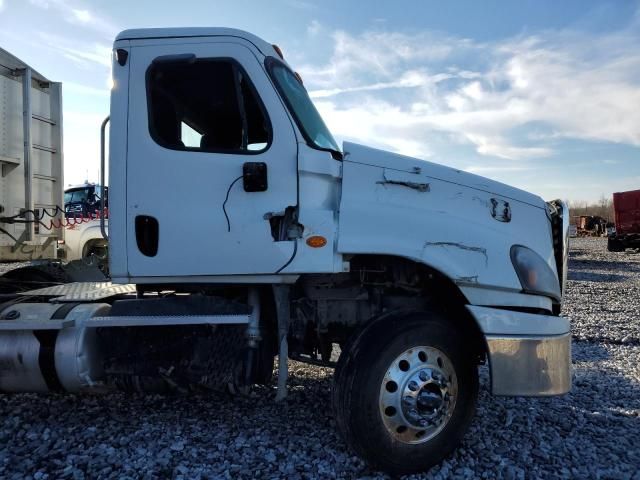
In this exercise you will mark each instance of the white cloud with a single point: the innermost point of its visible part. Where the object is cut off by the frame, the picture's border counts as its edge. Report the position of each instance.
(302, 4)
(78, 88)
(85, 56)
(75, 12)
(314, 28)
(375, 55)
(83, 16)
(41, 3)
(81, 146)
(486, 169)
(409, 79)
(364, 122)
(403, 89)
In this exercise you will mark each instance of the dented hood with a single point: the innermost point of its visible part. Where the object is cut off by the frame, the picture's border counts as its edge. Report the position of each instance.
(370, 156)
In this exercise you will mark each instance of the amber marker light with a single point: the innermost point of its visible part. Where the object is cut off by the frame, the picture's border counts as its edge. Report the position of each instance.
(316, 241)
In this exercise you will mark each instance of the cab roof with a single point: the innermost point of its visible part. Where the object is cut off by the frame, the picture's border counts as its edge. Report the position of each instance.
(189, 32)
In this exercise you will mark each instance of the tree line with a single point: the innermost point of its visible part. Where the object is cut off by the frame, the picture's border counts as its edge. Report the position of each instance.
(601, 208)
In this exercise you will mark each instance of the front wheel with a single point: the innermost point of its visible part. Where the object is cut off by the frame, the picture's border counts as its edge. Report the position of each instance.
(405, 392)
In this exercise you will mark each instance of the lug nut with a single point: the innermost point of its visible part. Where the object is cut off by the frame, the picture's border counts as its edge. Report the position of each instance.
(423, 375)
(413, 386)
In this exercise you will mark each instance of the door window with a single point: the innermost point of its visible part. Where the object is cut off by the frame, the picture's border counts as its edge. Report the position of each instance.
(205, 105)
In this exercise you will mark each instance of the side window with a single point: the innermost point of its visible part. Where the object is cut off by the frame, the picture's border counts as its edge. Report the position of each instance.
(205, 105)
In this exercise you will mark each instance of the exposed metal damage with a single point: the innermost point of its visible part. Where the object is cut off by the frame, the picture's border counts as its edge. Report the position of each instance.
(421, 187)
(462, 246)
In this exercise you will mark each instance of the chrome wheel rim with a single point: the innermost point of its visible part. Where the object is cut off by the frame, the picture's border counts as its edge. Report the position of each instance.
(418, 394)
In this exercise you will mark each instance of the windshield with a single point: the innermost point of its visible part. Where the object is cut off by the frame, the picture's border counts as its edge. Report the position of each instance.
(307, 117)
(79, 195)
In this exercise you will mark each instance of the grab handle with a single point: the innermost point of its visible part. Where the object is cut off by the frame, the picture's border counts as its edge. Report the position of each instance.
(103, 127)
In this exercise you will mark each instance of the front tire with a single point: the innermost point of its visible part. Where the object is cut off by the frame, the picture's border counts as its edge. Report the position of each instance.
(405, 391)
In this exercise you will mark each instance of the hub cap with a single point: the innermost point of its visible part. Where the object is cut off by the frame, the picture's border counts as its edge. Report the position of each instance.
(418, 394)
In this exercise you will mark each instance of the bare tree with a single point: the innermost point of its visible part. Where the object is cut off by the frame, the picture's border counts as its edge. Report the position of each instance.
(602, 208)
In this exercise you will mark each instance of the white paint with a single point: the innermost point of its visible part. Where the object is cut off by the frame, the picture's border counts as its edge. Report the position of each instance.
(185, 190)
(76, 237)
(366, 204)
(448, 227)
(201, 34)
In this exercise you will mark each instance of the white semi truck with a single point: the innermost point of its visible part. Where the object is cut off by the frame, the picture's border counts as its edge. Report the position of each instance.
(240, 230)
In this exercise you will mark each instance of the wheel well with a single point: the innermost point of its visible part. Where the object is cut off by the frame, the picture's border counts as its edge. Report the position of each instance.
(331, 308)
(445, 295)
(100, 242)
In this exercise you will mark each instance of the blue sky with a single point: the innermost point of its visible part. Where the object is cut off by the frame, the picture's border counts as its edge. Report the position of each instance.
(543, 95)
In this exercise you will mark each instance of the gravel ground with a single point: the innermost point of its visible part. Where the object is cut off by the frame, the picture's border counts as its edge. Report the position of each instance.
(590, 433)
(5, 267)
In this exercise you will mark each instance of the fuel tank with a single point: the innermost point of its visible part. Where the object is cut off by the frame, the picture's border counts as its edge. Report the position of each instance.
(38, 355)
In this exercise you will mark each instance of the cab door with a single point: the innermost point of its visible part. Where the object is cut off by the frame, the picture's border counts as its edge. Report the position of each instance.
(199, 115)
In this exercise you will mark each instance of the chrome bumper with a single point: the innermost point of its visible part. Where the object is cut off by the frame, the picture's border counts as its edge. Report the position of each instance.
(529, 354)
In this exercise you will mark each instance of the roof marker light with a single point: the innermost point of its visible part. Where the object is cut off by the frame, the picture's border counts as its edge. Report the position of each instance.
(278, 51)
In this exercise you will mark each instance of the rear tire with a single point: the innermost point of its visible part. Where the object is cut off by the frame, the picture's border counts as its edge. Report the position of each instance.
(405, 391)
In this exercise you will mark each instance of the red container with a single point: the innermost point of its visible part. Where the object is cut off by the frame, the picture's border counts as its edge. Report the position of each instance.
(626, 206)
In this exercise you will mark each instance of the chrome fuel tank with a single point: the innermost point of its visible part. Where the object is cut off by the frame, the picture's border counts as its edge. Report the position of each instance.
(46, 347)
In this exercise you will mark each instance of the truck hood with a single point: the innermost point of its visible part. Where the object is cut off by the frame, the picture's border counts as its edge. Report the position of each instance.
(356, 153)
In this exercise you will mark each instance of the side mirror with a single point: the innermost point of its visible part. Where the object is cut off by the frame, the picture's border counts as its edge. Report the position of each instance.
(254, 176)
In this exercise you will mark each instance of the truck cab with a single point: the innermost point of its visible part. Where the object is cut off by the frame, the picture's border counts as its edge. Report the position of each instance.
(235, 215)
(83, 239)
(84, 200)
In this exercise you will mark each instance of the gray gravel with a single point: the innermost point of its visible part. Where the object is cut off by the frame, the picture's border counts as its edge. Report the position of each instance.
(591, 433)
(6, 266)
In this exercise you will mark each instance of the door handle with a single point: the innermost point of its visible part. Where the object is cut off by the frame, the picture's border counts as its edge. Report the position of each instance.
(147, 235)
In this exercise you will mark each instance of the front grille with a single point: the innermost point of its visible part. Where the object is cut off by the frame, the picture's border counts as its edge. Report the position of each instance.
(560, 233)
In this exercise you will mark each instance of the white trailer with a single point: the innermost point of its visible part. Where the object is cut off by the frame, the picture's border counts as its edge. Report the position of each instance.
(240, 230)
(31, 162)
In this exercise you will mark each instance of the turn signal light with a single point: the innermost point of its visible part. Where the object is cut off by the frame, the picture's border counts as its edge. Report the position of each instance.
(316, 241)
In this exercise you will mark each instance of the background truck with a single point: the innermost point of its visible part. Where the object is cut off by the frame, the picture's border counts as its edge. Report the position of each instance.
(626, 207)
(83, 239)
(31, 162)
(591, 226)
(239, 230)
(84, 200)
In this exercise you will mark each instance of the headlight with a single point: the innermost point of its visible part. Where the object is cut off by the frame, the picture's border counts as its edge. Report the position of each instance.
(534, 273)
